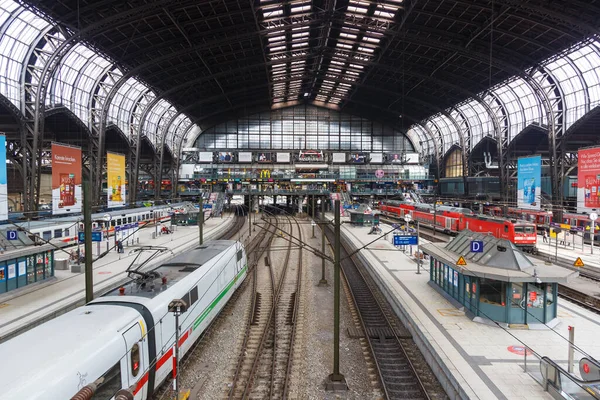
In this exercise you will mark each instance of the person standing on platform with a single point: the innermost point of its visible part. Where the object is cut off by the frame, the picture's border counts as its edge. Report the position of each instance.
(545, 236)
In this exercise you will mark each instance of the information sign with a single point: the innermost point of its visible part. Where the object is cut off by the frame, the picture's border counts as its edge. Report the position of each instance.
(477, 246)
(96, 237)
(11, 235)
(400, 240)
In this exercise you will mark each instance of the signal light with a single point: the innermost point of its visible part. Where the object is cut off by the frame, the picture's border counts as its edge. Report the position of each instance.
(570, 327)
(586, 368)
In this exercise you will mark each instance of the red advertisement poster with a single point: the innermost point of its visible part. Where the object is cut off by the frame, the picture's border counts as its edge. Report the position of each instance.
(66, 179)
(588, 179)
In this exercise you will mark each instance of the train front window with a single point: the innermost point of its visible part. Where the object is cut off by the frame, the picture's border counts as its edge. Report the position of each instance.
(111, 384)
(519, 229)
(524, 229)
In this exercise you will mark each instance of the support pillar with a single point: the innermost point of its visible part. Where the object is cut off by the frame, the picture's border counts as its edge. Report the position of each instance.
(336, 381)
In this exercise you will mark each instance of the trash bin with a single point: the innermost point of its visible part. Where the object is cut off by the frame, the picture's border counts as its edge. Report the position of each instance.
(61, 263)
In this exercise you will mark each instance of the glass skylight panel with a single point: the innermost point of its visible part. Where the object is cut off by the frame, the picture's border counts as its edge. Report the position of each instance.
(366, 49)
(270, 13)
(277, 48)
(348, 35)
(353, 10)
(300, 9)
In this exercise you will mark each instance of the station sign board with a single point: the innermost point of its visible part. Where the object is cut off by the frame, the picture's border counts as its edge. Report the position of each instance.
(96, 236)
(401, 240)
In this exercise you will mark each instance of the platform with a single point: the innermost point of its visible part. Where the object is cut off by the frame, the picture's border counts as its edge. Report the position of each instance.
(46, 300)
(472, 360)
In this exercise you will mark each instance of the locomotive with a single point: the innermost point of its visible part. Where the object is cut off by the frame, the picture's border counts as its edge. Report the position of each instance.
(126, 336)
(452, 220)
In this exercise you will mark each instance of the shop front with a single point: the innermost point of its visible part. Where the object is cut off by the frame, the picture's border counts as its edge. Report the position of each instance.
(24, 267)
(498, 284)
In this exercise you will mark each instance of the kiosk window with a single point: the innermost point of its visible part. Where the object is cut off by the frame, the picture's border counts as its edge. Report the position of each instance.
(111, 384)
(135, 359)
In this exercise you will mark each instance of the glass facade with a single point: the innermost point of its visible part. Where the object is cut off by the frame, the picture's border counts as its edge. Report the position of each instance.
(454, 164)
(304, 127)
(509, 302)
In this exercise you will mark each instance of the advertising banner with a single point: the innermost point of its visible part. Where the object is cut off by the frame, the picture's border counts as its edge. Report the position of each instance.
(588, 179)
(3, 181)
(66, 179)
(264, 157)
(115, 167)
(310, 156)
(529, 178)
(226, 157)
(357, 158)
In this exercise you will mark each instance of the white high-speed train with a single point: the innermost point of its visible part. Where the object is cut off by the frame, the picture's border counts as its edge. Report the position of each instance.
(126, 336)
(65, 228)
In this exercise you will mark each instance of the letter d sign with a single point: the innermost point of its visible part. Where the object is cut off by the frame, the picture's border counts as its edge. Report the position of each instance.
(476, 246)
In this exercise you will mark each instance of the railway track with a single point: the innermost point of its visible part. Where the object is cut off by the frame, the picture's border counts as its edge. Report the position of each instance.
(255, 248)
(265, 361)
(398, 376)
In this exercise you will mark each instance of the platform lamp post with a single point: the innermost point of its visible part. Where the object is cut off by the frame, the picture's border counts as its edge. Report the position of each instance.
(323, 281)
(201, 221)
(177, 307)
(313, 216)
(87, 232)
(336, 381)
(593, 218)
(556, 232)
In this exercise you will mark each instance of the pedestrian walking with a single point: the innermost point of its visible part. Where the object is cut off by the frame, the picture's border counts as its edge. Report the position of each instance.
(545, 236)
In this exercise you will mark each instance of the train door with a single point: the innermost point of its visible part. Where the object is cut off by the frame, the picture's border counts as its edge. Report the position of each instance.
(136, 368)
(448, 225)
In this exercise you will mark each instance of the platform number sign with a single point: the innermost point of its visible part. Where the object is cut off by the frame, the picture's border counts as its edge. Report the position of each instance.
(476, 246)
(11, 235)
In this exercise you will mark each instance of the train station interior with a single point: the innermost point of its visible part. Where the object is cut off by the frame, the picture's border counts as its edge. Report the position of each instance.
(419, 127)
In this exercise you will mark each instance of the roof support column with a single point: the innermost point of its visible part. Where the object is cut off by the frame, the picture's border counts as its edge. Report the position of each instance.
(548, 91)
(98, 138)
(55, 48)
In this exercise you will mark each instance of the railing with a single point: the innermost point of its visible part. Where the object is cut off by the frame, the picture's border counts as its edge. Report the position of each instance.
(294, 176)
(555, 380)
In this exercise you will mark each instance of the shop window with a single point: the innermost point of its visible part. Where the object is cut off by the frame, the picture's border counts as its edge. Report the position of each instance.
(492, 292)
(550, 301)
(135, 359)
(110, 385)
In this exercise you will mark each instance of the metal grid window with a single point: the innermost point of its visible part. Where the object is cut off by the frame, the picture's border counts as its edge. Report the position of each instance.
(121, 107)
(19, 34)
(304, 127)
(74, 82)
(153, 119)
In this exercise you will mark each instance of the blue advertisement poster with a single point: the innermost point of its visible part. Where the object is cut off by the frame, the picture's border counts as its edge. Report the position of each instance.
(529, 176)
(3, 182)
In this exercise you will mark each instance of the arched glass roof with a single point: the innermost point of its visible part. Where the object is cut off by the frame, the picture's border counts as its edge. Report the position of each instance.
(576, 73)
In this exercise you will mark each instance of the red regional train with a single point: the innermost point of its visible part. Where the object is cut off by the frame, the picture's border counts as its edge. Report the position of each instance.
(543, 219)
(455, 219)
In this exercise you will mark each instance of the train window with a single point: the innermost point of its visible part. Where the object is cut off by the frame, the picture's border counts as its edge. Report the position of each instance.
(519, 229)
(110, 385)
(67, 233)
(193, 295)
(240, 255)
(47, 235)
(58, 233)
(135, 359)
(113, 223)
(506, 228)
(529, 229)
(186, 298)
(129, 220)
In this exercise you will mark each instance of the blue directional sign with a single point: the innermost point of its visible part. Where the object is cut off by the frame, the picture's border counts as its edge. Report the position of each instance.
(96, 236)
(476, 246)
(400, 240)
(12, 235)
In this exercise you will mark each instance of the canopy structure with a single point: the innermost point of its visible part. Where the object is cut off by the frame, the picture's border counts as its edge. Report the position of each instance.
(158, 73)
